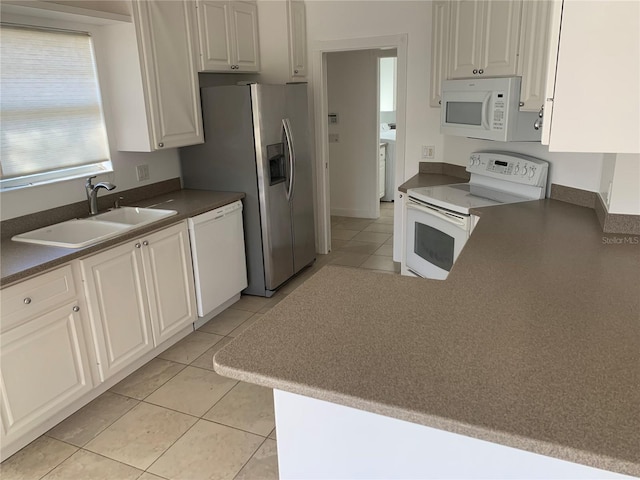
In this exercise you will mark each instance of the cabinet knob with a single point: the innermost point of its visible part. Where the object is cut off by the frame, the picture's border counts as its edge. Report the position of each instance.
(76, 308)
(481, 71)
(475, 71)
(145, 243)
(537, 124)
(137, 245)
(27, 301)
(295, 71)
(161, 145)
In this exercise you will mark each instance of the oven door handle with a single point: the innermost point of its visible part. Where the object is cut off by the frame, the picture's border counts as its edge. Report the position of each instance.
(447, 217)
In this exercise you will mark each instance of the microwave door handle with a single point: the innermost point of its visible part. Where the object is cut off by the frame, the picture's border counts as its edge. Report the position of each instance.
(486, 111)
(436, 213)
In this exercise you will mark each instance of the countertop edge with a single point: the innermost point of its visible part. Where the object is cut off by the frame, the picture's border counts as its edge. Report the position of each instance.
(60, 256)
(539, 447)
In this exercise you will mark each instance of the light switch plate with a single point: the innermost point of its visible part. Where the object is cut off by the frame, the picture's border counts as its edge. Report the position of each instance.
(142, 172)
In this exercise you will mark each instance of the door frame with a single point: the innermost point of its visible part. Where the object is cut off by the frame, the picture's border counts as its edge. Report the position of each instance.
(320, 96)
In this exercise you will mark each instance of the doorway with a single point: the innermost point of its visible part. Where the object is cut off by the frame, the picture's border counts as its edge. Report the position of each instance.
(322, 119)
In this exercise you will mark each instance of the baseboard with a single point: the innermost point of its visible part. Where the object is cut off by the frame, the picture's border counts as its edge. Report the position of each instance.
(353, 212)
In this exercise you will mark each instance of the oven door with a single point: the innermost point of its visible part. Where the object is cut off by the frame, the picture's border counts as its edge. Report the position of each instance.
(434, 239)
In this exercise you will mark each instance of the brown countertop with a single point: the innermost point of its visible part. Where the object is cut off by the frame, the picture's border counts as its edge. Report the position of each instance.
(532, 342)
(21, 260)
(429, 180)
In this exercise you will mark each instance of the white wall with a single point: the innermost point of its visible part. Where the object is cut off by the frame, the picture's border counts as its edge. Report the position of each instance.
(327, 20)
(331, 20)
(625, 194)
(163, 165)
(353, 161)
(606, 177)
(388, 84)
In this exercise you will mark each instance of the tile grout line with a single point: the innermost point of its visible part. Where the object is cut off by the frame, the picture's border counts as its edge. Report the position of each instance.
(250, 458)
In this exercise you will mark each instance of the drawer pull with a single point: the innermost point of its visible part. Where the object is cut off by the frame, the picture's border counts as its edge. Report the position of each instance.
(137, 245)
(76, 308)
(145, 243)
(27, 301)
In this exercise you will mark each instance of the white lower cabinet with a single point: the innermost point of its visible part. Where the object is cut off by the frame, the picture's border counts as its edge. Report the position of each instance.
(43, 356)
(139, 295)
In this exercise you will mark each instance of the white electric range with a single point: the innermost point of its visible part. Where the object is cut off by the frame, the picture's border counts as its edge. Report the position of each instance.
(439, 221)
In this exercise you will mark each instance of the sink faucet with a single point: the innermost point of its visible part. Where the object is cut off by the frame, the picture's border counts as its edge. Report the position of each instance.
(92, 193)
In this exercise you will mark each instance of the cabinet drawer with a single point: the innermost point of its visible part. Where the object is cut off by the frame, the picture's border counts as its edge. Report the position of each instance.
(35, 296)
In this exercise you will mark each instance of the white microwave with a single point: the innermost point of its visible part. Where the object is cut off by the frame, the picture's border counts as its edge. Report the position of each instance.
(488, 109)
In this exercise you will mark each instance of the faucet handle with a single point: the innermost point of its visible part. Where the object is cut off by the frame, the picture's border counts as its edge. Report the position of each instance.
(89, 184)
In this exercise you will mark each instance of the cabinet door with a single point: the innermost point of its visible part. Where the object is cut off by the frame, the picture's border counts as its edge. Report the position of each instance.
(214, 32)
(534, 45)
(44, 368)
(169, 281)
(500, 37)
(596, 100)
(297, 38)
(245, 45)
(166, 40)
(439, 50)
(465, 37)
(118, 307)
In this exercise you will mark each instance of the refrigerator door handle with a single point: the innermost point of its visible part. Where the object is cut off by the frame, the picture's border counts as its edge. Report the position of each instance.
(292, 156)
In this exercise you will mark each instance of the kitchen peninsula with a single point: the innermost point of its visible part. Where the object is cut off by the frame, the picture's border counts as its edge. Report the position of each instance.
(529, 348)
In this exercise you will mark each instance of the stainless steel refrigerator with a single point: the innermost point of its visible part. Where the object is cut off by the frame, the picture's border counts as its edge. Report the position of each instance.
(257, 142)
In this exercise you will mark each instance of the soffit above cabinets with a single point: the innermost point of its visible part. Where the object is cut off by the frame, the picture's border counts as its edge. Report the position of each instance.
(101, 13)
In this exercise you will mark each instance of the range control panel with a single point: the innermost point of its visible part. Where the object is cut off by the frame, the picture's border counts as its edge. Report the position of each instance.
(514, 167)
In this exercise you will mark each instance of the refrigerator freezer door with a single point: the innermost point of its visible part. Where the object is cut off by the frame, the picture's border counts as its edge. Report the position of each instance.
(268, 112)
(304, 243)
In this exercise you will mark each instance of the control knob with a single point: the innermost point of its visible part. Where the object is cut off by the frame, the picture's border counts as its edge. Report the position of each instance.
(471, 161)
(524, 170)
(532, 172)
(516, 170)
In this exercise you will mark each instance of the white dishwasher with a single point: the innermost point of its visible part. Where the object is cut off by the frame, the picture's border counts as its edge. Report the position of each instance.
(219, 264)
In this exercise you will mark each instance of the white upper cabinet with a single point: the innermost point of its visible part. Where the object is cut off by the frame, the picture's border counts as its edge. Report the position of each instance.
(484, 38)
(228, 36)
(592, 102)
(439, 51)
(152, 73)
(297, 20)
(534, 48)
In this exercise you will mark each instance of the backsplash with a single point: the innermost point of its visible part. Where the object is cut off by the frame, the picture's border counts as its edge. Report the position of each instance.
(443, 169)
(14, 226)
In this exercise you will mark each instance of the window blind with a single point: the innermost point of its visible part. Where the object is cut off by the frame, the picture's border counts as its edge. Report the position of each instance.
(52, 122)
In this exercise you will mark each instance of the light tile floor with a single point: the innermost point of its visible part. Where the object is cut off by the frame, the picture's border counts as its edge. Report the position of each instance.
(175, 418)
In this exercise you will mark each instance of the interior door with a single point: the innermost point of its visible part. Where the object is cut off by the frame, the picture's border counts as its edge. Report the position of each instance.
(273, 183)
(304, 237)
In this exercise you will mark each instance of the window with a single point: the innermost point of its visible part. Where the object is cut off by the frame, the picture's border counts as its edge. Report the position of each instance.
(52, 121)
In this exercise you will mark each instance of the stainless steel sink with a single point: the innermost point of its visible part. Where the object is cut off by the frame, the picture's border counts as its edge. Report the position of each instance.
(84, 232)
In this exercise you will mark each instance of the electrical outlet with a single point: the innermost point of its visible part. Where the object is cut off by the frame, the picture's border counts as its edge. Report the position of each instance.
(334, 138)
(143, 172)
(428, 151)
